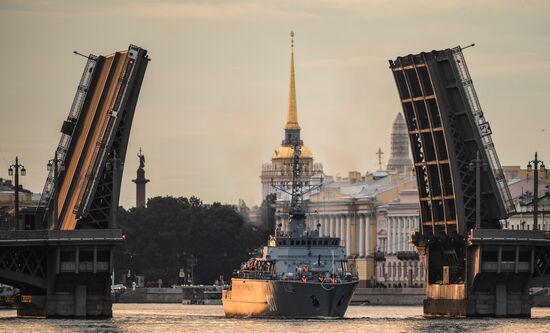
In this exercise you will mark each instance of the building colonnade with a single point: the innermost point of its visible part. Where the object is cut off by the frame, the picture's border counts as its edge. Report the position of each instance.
(401, 273)
(398, 234)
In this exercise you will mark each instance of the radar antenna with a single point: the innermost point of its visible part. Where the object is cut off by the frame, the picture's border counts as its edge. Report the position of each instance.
(298, 188)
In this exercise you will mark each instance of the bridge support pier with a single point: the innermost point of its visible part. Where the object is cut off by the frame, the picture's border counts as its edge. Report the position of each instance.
(498, 303)
(60, 273)
(501, 266)
(445, 300)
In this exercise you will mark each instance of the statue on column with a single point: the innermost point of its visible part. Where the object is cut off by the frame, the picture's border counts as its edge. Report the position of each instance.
(140, 181)
(141, 159)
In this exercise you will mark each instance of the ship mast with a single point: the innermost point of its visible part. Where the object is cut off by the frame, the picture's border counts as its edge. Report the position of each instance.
(296, 189)
(297, 212)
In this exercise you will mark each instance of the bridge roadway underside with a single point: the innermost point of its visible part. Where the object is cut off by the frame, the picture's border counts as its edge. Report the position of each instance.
(60, 273)
(502, 265)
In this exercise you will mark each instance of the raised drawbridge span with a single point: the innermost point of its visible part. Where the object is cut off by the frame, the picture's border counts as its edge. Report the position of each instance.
(61, 256)
(474, 268)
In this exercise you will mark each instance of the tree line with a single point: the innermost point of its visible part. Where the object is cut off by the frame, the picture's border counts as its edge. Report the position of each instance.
(175, 233)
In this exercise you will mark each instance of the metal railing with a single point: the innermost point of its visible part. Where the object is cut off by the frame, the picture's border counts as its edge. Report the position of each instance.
(252, 274)
(61, 235)
(74, 113)
(480, 122)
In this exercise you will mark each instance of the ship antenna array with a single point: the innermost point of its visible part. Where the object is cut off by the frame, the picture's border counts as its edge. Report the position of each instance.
(298, 189)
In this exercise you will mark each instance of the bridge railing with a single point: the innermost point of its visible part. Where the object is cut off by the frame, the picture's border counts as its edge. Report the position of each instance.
(484, 130)
(503, 235)
(23, 236)
(66, 133)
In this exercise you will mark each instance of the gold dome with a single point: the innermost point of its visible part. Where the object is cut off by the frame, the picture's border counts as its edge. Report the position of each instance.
(288, 152)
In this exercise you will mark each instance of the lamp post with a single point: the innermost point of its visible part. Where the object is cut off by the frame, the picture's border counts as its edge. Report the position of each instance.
(477, 165)
(130, 276)
(192, 261)
(536, 165)
(17, 169)
(54, 165)
(181, 261)
(224, 256)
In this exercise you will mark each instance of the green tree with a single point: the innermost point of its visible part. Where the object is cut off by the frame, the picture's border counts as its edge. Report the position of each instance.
(161, 237)
(268, 215)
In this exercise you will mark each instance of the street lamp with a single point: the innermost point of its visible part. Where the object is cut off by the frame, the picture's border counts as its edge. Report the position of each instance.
(224, 256)
(192, 261)
(54, 167)
(16, 170)
(130, 275)
(536, 165)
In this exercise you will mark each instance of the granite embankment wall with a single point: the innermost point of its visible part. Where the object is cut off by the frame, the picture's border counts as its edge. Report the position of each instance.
(201, 294)
(365, 296)
(372, 296)
(388, 296)
(152, 295)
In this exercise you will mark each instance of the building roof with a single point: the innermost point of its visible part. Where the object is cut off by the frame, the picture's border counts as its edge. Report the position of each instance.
(7, 187)
(364, 189)
(518, 187)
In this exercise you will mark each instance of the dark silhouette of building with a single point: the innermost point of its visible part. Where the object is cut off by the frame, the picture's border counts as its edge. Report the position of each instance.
(140, 181)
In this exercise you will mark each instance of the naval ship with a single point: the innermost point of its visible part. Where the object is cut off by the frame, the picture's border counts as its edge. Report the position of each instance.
(298, 274)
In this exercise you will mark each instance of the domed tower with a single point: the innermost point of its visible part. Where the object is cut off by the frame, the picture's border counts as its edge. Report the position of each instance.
(399, 155)
(279, 171)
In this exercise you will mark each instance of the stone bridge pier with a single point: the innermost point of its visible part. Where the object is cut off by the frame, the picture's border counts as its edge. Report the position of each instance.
(502, 265)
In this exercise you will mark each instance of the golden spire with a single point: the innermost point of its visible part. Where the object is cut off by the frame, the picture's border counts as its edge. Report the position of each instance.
(292, 121)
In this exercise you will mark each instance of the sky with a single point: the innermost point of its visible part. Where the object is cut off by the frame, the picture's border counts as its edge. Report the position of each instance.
(214, 99)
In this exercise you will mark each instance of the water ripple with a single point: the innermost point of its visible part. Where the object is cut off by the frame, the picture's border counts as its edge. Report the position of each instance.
(168, 318)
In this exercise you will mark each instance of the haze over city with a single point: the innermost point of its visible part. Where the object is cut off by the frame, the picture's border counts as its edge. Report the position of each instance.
(214, 103)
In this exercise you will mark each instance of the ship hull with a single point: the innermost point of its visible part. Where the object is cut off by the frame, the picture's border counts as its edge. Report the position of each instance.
(287, 299)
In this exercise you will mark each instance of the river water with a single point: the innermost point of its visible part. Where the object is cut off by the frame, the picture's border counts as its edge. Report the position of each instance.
(168, 318)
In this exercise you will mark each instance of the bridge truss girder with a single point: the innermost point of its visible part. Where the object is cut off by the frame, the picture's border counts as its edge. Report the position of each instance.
(445, 139)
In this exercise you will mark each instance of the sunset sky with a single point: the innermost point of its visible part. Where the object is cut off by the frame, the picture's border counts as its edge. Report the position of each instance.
(213, 103)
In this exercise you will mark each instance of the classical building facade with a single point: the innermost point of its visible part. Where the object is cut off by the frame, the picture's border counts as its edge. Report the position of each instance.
(520, 183)
(524, 217)
(7, 202)
(397, 263)
(348, 208)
